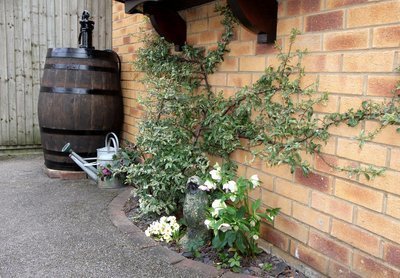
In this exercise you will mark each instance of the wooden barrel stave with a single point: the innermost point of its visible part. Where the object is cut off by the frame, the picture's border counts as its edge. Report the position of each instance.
(80, 102)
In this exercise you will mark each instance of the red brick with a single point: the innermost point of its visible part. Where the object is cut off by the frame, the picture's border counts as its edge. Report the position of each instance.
(282, 171)
(64, 175)
(368, 62)
(276, 201)
(292, 191)
(229, 64)
(388, 182)
(198, 26)
(274, 237)
(369, 267)
(329, 247)
(323, 22)
(197, 13)
(208, 37)
(217, 79)
(252, 63)
(322, 63)
(246, 35)
(309, 41)
(323, 163)
(193, 39)
(343, 129)
(342, 84)
(381, 85)
(262, 49)
(388, 36)
(337, 270)
(341, 3)
(239, 79)
(350, 149)
(286, 25)
(360, 195)
(395, 159)
(332, 206)
(241, 156)
(241, 48)
(385, 136)
(313, 180)
(356, 237)
(391, 254)
(393, 206)
(346, 40)
(374, 14)
(311, 217)
(291, 227)
(377, 223)
(309, 257)
(297, 7)
(215, 22)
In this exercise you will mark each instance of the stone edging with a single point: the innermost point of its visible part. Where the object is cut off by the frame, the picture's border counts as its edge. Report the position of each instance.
(119, 219)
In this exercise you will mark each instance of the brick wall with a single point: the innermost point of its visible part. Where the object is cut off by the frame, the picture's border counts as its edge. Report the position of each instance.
(338, 226)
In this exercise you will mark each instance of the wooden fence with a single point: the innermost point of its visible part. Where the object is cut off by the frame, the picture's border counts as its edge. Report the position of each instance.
(27, 29)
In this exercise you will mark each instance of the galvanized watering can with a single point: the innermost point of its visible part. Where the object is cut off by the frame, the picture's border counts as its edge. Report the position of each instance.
(104, 158)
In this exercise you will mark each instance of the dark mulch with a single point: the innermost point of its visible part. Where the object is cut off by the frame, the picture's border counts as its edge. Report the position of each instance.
(278, 267)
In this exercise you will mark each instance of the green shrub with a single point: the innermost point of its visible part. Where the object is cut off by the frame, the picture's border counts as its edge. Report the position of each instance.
(234, 221)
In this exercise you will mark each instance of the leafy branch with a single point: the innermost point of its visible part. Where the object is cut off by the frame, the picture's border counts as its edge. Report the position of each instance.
(186, 119)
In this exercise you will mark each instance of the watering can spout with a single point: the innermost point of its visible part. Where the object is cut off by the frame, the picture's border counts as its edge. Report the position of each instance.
(90, 170)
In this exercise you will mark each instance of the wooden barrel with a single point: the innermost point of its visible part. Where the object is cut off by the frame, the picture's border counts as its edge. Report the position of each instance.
(80, 102)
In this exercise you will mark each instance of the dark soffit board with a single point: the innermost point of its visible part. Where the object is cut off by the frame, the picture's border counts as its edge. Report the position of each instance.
(259, 16)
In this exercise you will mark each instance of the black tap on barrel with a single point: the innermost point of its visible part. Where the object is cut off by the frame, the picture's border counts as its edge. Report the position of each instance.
(85, 35)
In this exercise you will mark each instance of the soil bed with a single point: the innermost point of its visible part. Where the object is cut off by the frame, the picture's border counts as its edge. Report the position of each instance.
(250, 266)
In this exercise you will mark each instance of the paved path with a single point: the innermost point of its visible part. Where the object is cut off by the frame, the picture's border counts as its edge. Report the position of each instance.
(58, 228)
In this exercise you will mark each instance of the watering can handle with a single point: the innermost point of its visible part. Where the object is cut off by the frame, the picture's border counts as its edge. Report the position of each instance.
(114, 140)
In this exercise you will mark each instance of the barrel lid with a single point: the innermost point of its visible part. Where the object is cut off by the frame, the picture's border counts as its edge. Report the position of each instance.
(82, 53)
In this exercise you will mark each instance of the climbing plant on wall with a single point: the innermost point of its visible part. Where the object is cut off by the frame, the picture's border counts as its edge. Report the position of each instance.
(274, 118)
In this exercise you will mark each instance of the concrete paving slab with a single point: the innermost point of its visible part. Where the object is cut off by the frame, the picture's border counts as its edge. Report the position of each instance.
(61, 228)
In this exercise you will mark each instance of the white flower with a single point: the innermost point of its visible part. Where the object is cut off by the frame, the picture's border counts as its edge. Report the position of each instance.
(218, 204)
(210, 185)
(252, 223)
(171, 219)
(255, 237)
(255, 181)
(207, 223)
(214, 213)
(204, 188)
(164, 229)
(216, 175)
(232, 198)
(224, 227)
(217, 167)
(230, 186)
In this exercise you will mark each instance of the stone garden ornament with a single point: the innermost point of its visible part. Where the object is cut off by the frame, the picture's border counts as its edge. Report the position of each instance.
(194, 213)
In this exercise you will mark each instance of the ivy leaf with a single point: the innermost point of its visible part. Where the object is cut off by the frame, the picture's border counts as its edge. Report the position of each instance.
(352, 122)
